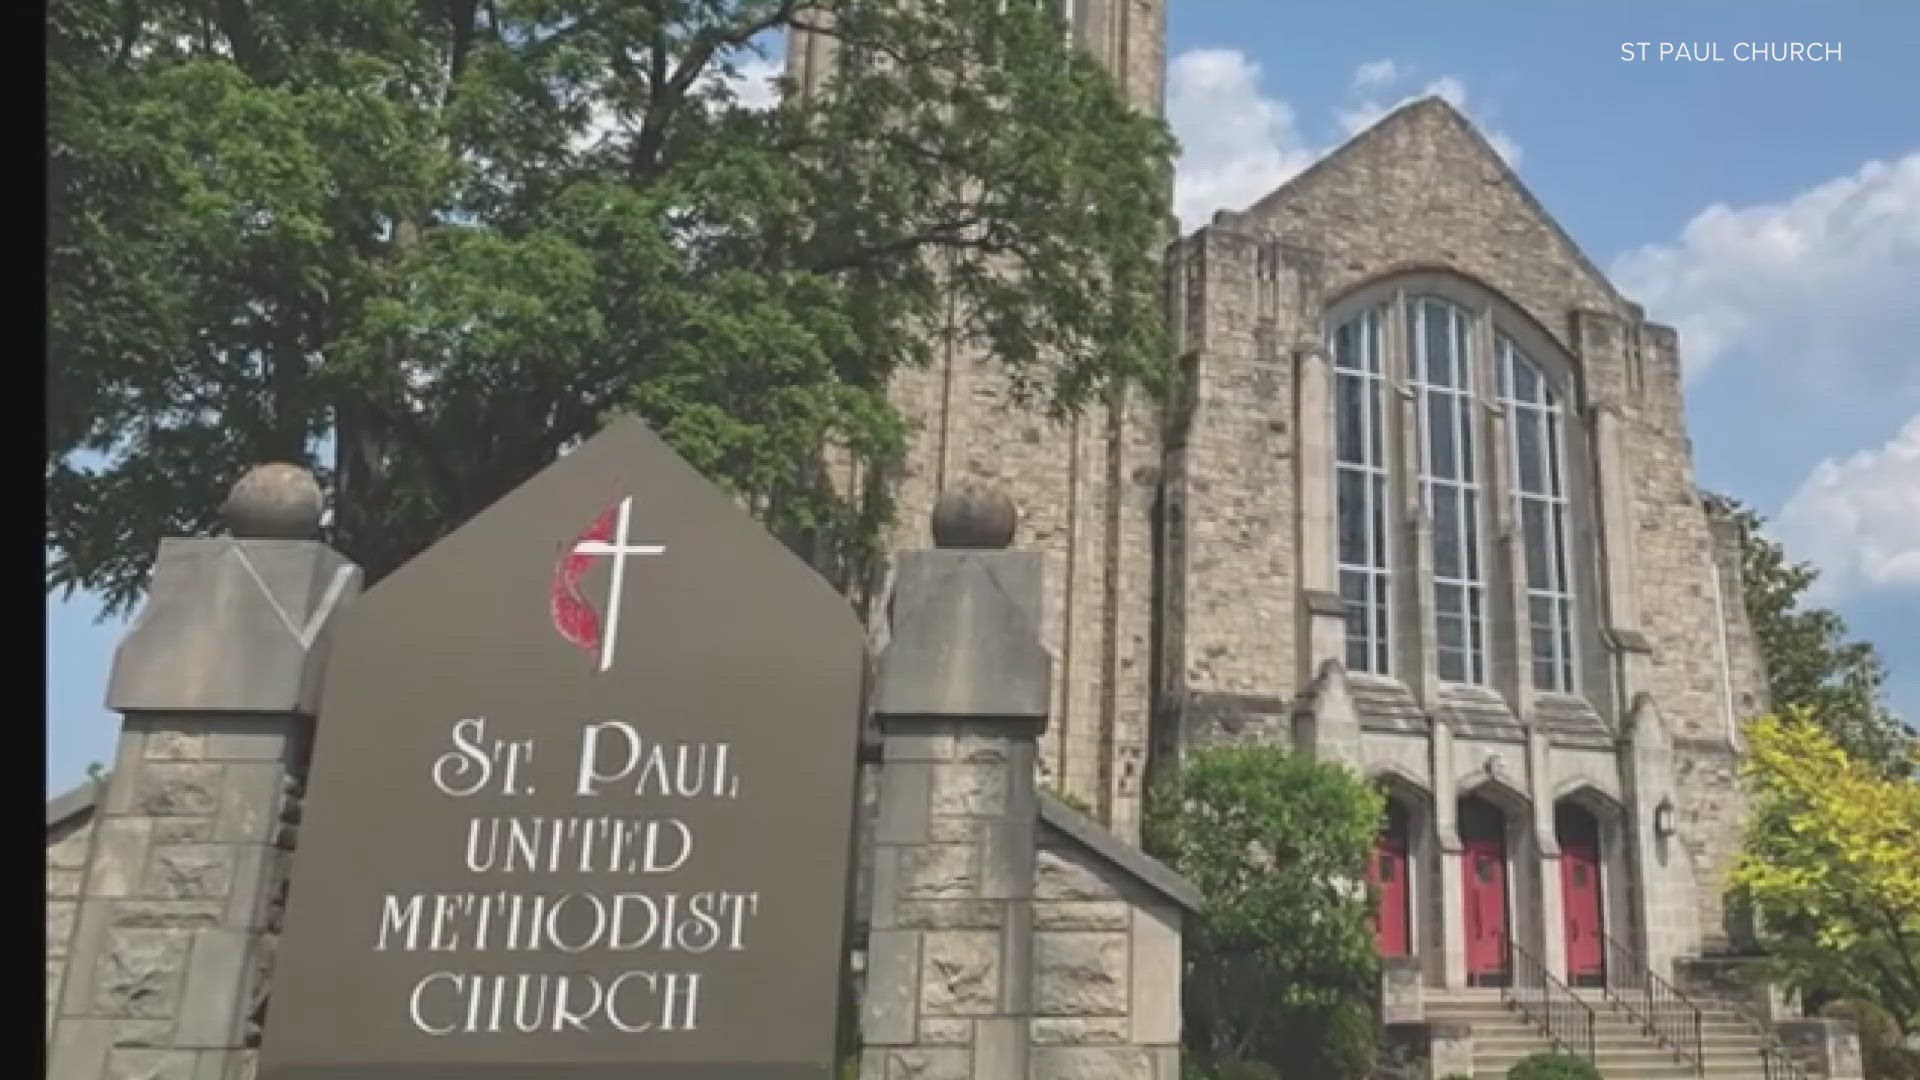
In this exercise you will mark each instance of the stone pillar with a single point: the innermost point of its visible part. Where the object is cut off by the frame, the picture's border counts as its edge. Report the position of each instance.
(1322, 610)
(1402, 990)
(180, 897)
(1420, 640)
(1446, 829)
(1546, 845)
(960, 698)
(1831, 1047)
(1427, 1050)
(1648, 754)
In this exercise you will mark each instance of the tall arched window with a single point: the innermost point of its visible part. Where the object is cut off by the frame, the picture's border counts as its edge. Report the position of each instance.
(1440, 343)
(1448, 356)
(1361, 488)
(1540, 502)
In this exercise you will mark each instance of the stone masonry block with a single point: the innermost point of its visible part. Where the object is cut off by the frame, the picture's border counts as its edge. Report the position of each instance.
(1062, 877)
(969, 790)
(1081, 974)
(249, 802)
(216, 971)
(120, 856)
(183, 830)
(956, 830)
(940, 872)
(890, 1006)
(60, 918)
(946, 1031)
(949, 915)
(140, 973)
(128, 758)
(150, 1065)
(69, 852)
(63, 884)
(171, 790)
(1092, 1063)
(960, 973)
(143, 1034)
(1080, 1030)
(174, 744)
(905, 800)
(190, 872)
(940, 1063)
(79, 1047)
(1083, 915)
(1000, 1047)
(1156, 973)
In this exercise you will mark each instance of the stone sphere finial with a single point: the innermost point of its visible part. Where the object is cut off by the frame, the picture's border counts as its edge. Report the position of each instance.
(275, 501)
(974, 516)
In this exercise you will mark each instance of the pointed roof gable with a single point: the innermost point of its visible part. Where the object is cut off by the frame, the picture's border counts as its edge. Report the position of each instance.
(1398, 160)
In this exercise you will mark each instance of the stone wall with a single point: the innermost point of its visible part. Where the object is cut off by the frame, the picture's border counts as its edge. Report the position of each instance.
(1008, 935)
(69, 837)
(182, 897)
(1107, 967)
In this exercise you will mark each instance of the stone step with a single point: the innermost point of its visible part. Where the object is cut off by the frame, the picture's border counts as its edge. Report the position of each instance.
(1607, 1017)
(1729, 1045)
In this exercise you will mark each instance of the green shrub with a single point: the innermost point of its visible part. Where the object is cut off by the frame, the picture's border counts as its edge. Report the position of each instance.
(1281, 968)
(1553, 1067)
(1245, 1070)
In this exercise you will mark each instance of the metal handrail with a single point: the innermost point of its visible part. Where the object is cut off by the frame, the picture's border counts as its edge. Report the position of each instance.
(1777, 1064)
(1776, 1061)
(1549, 1003)
(1667, 1015)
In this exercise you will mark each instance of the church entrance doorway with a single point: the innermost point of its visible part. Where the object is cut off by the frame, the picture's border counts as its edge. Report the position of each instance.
(1483, 835)
(1388, 873)
(1579, 834)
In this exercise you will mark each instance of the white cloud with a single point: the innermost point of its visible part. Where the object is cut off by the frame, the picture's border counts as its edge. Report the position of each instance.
(1858, 519)
(1819, 287)
(1238, 142)
(1375, 74)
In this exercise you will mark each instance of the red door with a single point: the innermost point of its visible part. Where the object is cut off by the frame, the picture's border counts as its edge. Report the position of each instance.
(1483, 834)
(1579, 836)
(1388, 875)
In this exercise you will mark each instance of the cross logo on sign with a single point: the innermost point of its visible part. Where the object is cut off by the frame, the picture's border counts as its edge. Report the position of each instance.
(573, 615)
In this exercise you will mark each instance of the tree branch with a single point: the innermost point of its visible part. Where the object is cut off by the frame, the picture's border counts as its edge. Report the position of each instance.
(664, 100)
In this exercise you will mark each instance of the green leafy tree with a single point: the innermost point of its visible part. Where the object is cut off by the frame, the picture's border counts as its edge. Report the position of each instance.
(1282, 965)
(1811, 662)
(1827, 693)
(1833, 861)
(440, 240)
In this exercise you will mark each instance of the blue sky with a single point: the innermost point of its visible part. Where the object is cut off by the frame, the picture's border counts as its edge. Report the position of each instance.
(1771, 211)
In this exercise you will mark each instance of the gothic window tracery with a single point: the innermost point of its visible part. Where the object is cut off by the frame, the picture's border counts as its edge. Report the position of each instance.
(1440, 347)
(1452, 359)
(1540, 507)
(1361, 486)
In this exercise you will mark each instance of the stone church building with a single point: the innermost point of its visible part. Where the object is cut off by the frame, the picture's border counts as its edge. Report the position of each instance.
(1424, 504)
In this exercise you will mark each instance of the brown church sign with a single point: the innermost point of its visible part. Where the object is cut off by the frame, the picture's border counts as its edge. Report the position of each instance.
(581, 799)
